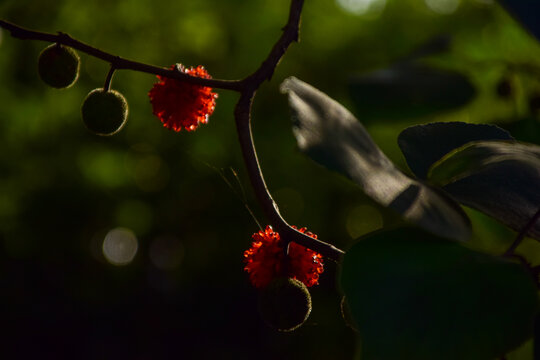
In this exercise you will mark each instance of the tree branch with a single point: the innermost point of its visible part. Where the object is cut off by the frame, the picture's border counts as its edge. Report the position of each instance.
(247, 88)
(290, 34)
(243, 126)
(119, 63)
(522, 234)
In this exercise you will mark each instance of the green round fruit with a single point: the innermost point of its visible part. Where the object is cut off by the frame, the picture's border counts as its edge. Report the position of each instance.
(104, 112)
(285, 304)
(58, 66)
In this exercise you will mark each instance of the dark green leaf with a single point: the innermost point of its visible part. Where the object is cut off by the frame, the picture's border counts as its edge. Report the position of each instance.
(420, 297)
(423, 145)
(527, 12)
(332, 136)
(501, 179)
(409, 90)
(524, 129)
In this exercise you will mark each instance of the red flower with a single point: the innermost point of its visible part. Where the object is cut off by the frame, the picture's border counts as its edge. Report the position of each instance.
(266, 259)
(179, 104)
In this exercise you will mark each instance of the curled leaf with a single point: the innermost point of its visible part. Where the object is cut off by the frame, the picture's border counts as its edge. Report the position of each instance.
(499, 178)
(423, 145)
(329, 134)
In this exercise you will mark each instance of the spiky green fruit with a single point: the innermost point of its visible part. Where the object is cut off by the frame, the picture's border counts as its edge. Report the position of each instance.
(104, 112)
(285, 304)
(58, 66)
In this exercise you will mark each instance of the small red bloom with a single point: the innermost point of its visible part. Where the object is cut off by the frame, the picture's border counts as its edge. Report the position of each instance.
(182, 105)
(266, 259)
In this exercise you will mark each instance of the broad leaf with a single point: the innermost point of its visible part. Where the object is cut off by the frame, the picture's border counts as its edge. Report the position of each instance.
(501, 179)
(332, 136)
(423, 145)
(524, 129)
(415, 296)
(408, 90)
(527, 12)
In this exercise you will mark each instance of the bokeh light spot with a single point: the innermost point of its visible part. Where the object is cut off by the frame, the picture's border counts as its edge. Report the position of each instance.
(443, 7)
(120, 246)
(360, 7)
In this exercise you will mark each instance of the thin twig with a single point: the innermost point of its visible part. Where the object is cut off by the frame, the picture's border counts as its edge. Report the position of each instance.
(239, 194)
(519, 238)
(244, 198)
(247, 88)
(119, 63)
(243, 125)
(108, 79)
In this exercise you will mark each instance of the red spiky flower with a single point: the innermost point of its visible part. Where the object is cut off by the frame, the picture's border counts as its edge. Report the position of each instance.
(182, 105)
(266, 259)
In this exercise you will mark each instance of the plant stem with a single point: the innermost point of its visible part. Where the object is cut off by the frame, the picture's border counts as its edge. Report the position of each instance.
(243, 126)
(519, 238)
(108, 79)
(247, 88)
(117, 62)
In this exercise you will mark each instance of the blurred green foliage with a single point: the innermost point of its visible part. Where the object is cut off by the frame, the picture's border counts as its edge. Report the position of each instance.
(62, 188)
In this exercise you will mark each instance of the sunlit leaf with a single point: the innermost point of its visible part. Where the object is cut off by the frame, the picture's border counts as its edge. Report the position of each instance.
(408, 90)
(423, 145)
(499, 178)
(332, 136)
(415, 296)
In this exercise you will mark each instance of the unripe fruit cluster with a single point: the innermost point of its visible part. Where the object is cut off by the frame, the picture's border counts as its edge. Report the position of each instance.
(104, 112)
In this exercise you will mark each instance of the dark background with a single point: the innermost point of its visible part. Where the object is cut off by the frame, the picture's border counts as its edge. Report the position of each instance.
(185, 294)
